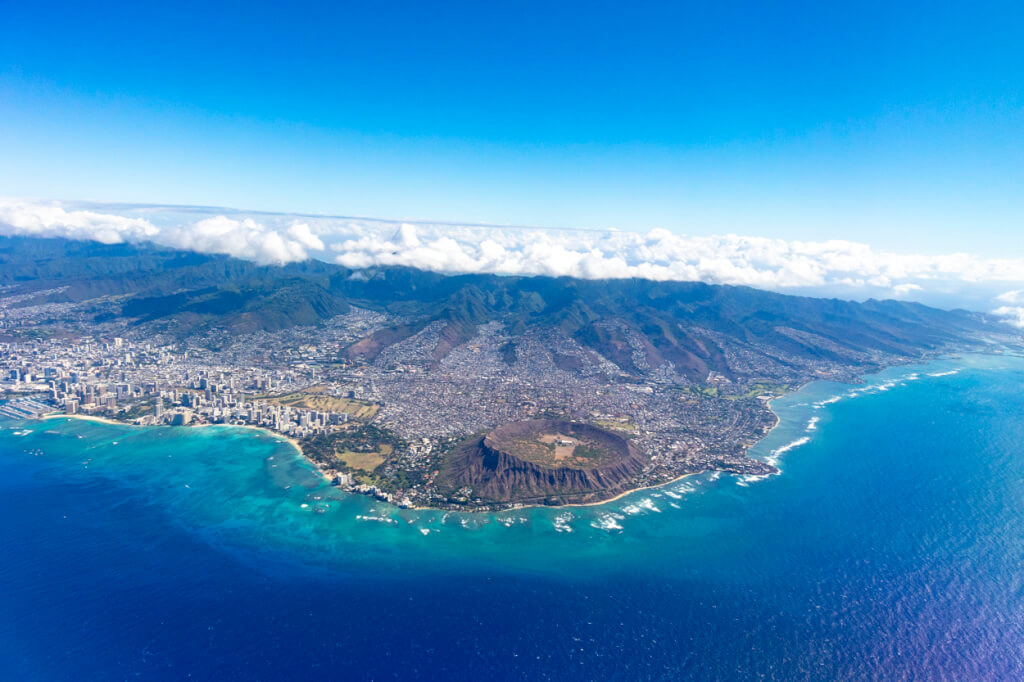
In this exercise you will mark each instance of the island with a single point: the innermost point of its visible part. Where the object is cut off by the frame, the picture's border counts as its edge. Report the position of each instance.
(462, 392)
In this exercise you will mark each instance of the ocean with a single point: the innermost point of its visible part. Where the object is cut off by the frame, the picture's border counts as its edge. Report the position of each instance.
(890, 546)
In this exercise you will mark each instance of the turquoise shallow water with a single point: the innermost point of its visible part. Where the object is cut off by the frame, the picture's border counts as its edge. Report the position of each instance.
(890, 547)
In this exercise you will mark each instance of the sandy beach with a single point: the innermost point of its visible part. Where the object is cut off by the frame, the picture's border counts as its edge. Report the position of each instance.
(329, 477)
(273, 434)
(86, 418)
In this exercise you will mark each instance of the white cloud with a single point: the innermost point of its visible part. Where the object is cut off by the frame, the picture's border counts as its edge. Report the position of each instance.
(660, 255)
(1016, 296)
(301, 233)
(1014, 314)
(52, 220)
(906, 288)
(243, 238)
(832, 267)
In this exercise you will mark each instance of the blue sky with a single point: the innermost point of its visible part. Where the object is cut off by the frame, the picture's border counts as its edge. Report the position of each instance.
(902, 127)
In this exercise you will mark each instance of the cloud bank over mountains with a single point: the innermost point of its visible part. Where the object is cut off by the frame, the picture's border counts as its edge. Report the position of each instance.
(838, 268)
(1012, 307)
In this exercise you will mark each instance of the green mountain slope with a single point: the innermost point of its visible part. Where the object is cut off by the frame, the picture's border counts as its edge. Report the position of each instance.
(638, 324)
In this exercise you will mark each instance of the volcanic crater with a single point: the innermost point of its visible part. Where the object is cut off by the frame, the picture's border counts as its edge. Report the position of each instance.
(545, 461)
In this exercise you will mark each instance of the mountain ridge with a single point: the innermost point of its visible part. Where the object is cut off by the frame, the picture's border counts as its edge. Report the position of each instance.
(638, 324)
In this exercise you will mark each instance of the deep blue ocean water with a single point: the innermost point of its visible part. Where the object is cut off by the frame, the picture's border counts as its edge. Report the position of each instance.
(890, 547)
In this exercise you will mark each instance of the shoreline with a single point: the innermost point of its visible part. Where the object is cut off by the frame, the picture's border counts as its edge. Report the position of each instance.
(778, 420)
(273, 434)
(85, 418)
(281, 437)
(619, 496)
(329, 477)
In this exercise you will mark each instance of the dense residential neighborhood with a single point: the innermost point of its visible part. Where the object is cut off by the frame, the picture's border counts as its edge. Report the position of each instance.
(298, 382)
